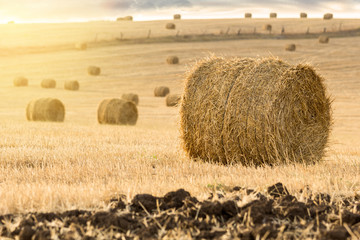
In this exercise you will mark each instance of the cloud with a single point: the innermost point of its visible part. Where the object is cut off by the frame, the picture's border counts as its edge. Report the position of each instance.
(146, 4)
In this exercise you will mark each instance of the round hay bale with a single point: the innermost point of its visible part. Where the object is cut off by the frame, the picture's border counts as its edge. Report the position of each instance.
(48, 83)
(303, 15)
(290, 47)
(161, 91)
(328, 16)
(258, 111)
(71, 85)
(117, 111)
(45, 109)
(323, 39)
(81, 46)
(94, 71)
(131, 97)
(273, 15)
(126, 18)
(173, 100)
(20, 82)
(248, 15)
(172, 60)
(267, 27)
(170, 26)
(177, 16)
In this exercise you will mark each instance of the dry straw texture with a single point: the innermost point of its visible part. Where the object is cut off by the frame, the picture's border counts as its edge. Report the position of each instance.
(258, 111)
(303, 15)
(170, 26)
(71, 85)
(273, 15)
(172, 60)
(81, 46)
(173, 100)
(161, 91)
(48, 83)
(328, 16)
(177, 16)
(94, 71)
(20, 81)
(323, 39)
(117, 111)
(45, 109)
(131, 97)
(248, 15)
(290, 47)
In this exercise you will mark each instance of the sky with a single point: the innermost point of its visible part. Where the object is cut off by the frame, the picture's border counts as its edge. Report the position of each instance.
(85, 10)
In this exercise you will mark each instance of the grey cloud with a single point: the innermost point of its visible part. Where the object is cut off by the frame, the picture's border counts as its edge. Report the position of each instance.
(146, 4)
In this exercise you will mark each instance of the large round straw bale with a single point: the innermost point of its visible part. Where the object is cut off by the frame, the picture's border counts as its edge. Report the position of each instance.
(173, 100)
(303, 15)
(328, 16)
(273, 15)
(131, 97)
(177, 16)
(323, 39)
(117, 111)
(81, 46)
(71, 85)
(20, 81)
(45, 109)
(172, 60)
(93, 70)
(170, 26)
(248, 15)
(254, 112)
(267, 27)
(48, 83)
(161, 91)
(290, 47)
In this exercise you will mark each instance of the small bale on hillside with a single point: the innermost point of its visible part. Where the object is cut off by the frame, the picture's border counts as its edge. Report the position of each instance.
(177, 16)
(248, 15)
(172, 60)
(45, 109)
(259, 111)
(81, 46)
(170, 26)
(323, 39)
(173, 100)
(290, 47)
(21, 82)
(273, 15)
(328, 16)
(94, 70)
(161, 91)
(126, 18)
(117, 111)
(48, 83)
(71, 85)
(131, 97)
(303, 15)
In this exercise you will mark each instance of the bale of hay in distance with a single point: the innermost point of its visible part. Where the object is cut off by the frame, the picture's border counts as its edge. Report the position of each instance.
(259, 111)
(161, 91)
(117, 111)
(48, 83)
(81, 46)
(323, 39)
(71, 85)
(273, 15)
(303, 15)
(126, 18)
(20, 81)
(173, 100)
(45, 109)
(267, 27)
(328, 16)
(170, 26)
(248, 15)
(177, 16)
(131, 97)
(94, 71)
(290, 47)
(172, 60)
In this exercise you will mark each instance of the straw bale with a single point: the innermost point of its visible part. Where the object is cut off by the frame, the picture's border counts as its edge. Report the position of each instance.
(172, 60)
(48, 83)
(173, 100)
(45, 109)
(161, 91)
(170, 26)
(20, 82)
(81, 46)
(117, 111)
(328, 16)
(256, 112)
(290, 47)
(131, 97)
(267, 27)
(177, 16)
(71, 85)
(303, 15)
(94, 71)
(323, 39)
(126, 18)
(248, 15)
(273, 15)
